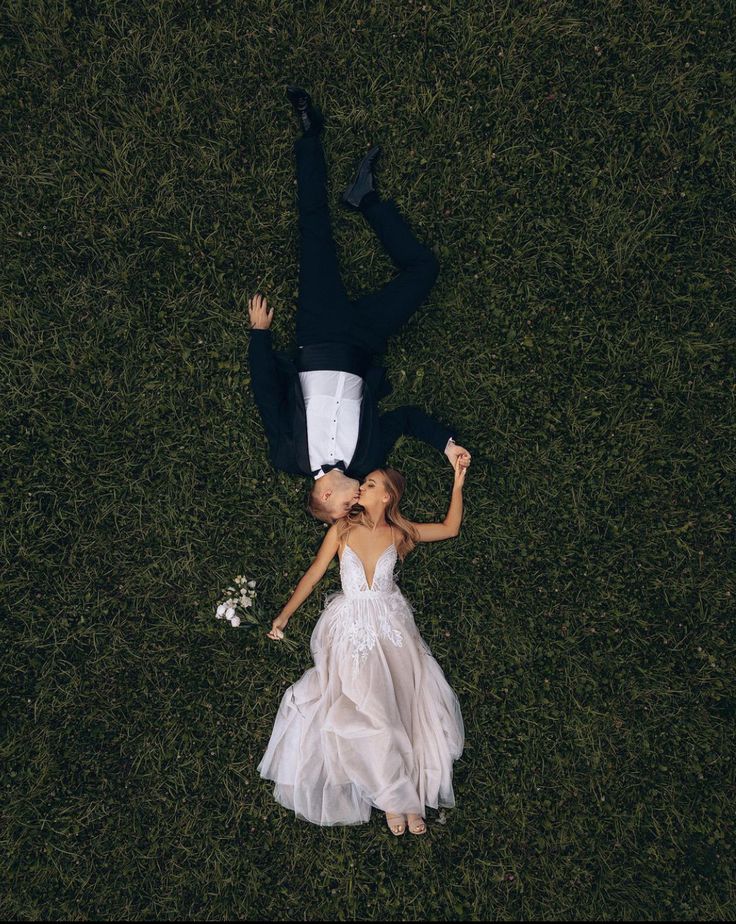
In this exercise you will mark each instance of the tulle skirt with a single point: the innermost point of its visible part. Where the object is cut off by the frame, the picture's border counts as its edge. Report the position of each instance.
(374, 724)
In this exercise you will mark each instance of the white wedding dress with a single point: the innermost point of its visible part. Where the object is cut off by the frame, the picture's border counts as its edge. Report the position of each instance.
(374, 723)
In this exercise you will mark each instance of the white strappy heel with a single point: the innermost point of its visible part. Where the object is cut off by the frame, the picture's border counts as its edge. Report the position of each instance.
(397, 827)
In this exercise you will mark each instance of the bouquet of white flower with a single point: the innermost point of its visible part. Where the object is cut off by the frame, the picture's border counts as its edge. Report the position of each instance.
(238, 605)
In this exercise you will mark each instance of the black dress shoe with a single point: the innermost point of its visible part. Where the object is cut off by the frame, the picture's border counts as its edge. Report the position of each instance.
(310, 119)
(363, 183)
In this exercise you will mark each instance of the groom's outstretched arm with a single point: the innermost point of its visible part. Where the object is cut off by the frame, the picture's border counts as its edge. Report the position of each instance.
(268, 388)
(413, 421)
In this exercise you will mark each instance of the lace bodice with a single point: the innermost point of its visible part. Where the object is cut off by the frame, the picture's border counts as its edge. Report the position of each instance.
(353, 576)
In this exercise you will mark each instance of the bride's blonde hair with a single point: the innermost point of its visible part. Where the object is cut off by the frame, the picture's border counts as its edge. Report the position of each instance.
(394, 484)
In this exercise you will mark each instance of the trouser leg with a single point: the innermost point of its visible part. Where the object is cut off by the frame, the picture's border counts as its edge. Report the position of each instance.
(323, 307)
(381, 314)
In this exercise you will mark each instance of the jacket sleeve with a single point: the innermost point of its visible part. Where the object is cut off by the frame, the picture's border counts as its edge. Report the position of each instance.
(412, 421)
(269, 388)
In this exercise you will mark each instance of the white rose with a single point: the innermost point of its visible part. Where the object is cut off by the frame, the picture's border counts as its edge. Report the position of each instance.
(229, 613)
(235, 622)
(246, 603)
(221, 611)
(251, 583)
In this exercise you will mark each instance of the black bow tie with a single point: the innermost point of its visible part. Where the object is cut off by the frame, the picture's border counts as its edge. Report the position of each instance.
(328, 468)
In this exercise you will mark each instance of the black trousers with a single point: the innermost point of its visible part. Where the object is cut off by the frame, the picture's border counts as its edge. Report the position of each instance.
(325, 313)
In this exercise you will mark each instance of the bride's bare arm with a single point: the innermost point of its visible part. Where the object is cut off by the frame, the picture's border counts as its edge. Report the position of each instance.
(311, 577)
(450, 526)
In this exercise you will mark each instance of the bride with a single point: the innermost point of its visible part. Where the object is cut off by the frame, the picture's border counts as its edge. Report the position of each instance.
(374, 723)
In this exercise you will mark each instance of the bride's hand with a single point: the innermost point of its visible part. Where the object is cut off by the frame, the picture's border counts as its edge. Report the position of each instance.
(453, 452)
(277, 627)
(461, 468)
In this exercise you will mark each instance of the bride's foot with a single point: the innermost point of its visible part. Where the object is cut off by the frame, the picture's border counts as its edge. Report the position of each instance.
(417, 824)
(396, 823)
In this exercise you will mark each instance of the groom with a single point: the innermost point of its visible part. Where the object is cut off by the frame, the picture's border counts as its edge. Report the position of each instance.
(320, 407)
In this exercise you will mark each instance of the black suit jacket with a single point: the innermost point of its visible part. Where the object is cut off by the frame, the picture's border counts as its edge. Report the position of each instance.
(279, 397)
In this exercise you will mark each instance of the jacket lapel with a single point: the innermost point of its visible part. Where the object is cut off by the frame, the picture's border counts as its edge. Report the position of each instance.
(299, 414)
(301, 446)
(368, 407)
(379, 384)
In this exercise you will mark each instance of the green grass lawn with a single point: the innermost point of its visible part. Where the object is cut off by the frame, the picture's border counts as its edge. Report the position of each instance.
(572, 165)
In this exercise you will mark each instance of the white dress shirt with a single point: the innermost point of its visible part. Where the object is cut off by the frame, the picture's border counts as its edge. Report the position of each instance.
(332, 402)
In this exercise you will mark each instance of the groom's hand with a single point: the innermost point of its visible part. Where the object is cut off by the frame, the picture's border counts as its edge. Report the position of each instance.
(260, 316)
(454, 452)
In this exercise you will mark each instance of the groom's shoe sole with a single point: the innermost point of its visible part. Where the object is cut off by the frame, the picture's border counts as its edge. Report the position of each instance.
(304, 109)
(363, 182)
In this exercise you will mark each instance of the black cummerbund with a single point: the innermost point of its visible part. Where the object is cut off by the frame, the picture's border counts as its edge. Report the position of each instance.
(340, 357)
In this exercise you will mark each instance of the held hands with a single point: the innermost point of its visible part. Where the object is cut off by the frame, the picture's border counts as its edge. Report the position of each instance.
(258, 313)
(461, 469)
(277, 627)
(455, 452)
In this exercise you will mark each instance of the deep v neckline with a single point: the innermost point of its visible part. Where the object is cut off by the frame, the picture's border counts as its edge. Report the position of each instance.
(375, 567)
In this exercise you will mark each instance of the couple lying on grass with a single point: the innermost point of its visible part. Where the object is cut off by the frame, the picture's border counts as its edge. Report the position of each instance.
(374, 723)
